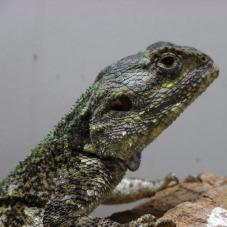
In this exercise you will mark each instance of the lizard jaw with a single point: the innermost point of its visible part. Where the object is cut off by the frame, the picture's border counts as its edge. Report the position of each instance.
(169, 113)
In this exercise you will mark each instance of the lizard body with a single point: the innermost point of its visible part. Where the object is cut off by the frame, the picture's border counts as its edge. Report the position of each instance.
(79, 164)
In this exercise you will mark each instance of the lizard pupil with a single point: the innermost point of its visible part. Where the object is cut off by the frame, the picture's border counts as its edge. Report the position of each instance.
(121, 103)
(168, 61)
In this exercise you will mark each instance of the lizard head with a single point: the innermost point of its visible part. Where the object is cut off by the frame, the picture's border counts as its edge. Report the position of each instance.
(139, 96)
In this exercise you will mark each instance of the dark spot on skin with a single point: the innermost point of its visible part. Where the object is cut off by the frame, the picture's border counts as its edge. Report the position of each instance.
(121, 103)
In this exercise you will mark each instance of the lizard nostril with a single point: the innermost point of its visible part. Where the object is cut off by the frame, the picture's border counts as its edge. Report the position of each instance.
(204, 58)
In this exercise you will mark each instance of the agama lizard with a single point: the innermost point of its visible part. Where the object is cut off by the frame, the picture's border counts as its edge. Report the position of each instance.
(82, 161)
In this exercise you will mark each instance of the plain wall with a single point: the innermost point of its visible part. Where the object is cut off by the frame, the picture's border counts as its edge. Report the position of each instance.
(52, 50)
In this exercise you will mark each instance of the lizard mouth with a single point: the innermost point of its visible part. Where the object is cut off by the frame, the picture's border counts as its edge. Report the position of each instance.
(194, 84)
(187, 89)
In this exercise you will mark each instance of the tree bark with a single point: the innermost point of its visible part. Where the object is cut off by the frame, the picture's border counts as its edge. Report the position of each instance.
(195, 202)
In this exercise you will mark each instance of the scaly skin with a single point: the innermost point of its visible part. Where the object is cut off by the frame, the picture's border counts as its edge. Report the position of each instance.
(80, 162)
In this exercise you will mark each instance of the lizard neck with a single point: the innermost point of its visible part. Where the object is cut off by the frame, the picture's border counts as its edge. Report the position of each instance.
(65, 140)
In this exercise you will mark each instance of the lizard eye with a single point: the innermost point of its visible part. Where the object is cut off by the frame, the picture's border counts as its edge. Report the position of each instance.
(121, 103)
(169, 64)
(168, 61)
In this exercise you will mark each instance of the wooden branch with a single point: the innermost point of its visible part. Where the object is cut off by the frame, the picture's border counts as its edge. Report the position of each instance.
(196, 202)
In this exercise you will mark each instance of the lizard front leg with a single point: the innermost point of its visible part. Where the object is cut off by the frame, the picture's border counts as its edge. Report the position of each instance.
(132, 189)
(82, 185)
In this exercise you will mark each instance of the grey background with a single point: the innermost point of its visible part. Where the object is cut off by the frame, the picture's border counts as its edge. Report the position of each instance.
(50, 51)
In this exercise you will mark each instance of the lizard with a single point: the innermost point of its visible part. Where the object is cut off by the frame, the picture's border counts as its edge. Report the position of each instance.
(82, 161)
